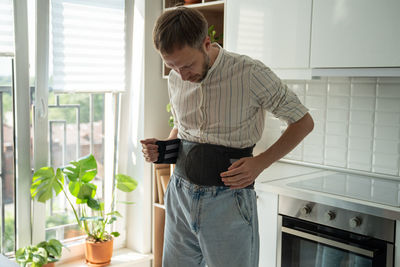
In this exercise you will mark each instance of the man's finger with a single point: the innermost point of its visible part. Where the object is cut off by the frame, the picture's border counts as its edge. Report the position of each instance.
(150, 149)
(148, 141)
(233, 179)
(236, 164)
(232, 172)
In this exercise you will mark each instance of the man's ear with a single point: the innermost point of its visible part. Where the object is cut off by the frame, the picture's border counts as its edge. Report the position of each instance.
(207, 43)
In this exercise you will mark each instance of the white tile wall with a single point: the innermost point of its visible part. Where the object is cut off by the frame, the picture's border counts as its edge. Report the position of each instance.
(357, 123)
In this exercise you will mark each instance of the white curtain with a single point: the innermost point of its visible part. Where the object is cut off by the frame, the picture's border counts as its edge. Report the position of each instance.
(88, 38)
(6, 27)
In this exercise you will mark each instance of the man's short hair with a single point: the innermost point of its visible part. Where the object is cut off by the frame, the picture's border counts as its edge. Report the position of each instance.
(179, 27)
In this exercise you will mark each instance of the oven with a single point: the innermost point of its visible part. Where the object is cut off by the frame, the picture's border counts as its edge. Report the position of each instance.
(317, 235)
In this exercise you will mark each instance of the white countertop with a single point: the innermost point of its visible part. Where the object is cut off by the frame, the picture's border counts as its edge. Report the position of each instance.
(280, 170)
(375, 196)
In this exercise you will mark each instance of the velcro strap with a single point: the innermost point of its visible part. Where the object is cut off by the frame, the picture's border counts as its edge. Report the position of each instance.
(168, 151)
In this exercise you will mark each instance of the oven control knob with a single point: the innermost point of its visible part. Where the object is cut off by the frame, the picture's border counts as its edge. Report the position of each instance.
(305, 210)
(329, 216)
(355, 222)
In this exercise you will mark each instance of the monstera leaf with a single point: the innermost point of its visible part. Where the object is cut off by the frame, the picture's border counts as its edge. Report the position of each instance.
(46, 183)
(79, 174)
(83, 170)
(82, 191)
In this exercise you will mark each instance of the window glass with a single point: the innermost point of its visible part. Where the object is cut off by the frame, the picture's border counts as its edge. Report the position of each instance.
(7, 200)
(72, 135)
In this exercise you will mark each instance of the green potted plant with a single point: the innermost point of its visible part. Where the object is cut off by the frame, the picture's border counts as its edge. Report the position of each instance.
(44, 254)
(212, 34)
(77, 178)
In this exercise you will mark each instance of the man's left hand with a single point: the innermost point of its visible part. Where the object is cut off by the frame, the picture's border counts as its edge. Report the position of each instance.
(242, 172)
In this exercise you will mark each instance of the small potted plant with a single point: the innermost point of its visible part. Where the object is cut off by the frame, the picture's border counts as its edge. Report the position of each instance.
(77, 178)
(44, 254)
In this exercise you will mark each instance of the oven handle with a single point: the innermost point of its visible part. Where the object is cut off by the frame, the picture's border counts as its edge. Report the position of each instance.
(328, 242)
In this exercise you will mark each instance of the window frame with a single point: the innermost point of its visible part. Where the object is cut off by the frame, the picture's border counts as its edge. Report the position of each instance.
(21, 100)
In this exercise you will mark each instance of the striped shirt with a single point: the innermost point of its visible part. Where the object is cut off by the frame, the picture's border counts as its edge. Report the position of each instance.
(229, 106)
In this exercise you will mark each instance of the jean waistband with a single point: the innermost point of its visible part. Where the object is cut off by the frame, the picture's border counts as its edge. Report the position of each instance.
(202, 164)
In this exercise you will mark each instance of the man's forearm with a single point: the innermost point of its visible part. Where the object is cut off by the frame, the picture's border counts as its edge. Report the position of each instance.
(173, 134)
(292, 136)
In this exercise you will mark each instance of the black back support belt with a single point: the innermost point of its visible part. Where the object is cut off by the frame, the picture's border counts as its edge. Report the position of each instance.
(202, 164)
(168, 151)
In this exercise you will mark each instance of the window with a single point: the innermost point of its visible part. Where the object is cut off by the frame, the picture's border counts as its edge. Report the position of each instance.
(75, 89)
(86, 64)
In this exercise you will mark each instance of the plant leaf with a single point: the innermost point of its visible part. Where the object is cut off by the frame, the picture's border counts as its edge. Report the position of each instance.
(57, 246)
(125, 183)
(116, 213)
(84, 170)
(92, 218)
(20, 255)
(51, 250)
(71, 174)
(93, 204)
(86, 191)
(116, 234)
(113, 219)
(45, 182)
(74, 188)
(126, 202)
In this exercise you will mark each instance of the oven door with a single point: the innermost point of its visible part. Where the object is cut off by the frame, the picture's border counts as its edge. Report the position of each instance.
(307, 244)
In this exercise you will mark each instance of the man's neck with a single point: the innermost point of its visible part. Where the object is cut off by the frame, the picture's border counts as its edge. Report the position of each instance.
(214, 51)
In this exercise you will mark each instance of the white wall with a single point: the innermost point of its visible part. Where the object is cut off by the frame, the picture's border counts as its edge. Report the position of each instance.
(143, 115)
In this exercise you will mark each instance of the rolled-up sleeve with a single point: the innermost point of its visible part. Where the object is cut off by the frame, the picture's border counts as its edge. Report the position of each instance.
(268, 91)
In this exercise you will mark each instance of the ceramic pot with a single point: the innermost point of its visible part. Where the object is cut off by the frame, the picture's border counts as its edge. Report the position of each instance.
(98, 253)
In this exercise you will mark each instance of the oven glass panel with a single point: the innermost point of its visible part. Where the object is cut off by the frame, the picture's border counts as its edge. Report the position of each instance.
(299, 252)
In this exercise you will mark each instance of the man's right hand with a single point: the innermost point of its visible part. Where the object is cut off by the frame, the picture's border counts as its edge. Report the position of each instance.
(150, 149)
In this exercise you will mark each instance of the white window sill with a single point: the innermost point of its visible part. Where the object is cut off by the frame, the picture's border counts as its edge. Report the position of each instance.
(121, 258)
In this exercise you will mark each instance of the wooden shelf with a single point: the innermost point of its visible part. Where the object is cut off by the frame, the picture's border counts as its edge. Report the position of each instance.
(210, 5)
(159, 206)
(159, 187)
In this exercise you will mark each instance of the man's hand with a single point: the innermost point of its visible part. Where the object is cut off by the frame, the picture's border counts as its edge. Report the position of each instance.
(150, 149)
(242, 172)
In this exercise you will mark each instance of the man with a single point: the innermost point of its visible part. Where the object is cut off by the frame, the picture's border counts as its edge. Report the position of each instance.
(218, 101)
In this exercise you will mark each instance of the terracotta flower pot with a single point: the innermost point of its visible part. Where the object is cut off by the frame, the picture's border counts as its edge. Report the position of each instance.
(98, 253)
(189, 2)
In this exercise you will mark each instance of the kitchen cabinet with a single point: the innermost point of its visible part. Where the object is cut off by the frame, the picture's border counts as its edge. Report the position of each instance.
(267, 207)
(356, 33)
(277, 32)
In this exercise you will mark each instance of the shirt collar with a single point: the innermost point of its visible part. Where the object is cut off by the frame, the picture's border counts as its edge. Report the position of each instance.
(216, 62)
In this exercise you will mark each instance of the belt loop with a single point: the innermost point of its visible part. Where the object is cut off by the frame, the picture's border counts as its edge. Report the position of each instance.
(178, 182)
(215, 191)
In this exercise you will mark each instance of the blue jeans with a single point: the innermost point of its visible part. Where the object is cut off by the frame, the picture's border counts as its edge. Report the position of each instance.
(209, 225)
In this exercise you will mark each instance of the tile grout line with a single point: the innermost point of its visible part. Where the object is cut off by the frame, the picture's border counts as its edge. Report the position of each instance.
(349, 123)
(374, 126)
